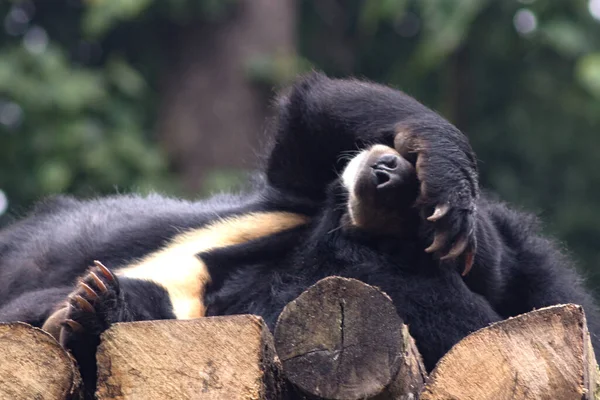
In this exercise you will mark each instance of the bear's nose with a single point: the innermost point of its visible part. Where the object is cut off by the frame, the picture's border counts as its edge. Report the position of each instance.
(387, 162)
(385, 170)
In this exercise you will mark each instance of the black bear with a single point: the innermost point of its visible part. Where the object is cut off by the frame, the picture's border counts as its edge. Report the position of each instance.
(361, 181)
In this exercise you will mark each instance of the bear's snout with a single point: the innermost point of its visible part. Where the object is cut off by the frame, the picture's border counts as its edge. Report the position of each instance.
(390, 170)
(382, 187)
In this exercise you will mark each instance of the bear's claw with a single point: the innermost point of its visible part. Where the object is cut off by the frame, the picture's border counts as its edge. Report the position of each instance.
(105, 271)
(101, 286)
(439, 212)
(82, 303)
(92, 306)
(448, 191)
(73, 326)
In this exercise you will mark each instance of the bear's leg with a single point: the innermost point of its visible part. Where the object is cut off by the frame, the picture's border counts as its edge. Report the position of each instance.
(322, 122)
(35, 306)
(441, 310)
(518, 270)
(99, 300)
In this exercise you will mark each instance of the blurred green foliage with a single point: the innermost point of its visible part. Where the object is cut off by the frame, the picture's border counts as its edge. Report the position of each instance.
(78, 94)
(78, 98)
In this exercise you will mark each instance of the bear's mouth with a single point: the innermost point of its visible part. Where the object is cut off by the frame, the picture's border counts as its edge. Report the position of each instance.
(382, 187)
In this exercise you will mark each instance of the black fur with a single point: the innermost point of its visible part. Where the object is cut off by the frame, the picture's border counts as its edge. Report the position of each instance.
(54, 246)
(435, 302)
(321, 123)
(515, 268)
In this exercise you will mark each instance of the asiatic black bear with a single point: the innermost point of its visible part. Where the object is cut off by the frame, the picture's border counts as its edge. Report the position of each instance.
(361, 181)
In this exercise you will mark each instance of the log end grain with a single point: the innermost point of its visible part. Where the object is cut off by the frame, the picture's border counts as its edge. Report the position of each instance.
(342, 339)
(206, 358)
(34, 366)
(543, 354)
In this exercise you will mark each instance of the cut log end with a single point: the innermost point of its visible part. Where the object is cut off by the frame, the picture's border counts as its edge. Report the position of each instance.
(207, 358)
(544, 354)
(34, 366)
(342, 339)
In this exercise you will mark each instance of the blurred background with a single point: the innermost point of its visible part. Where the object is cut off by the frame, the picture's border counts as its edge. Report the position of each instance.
(107, 96)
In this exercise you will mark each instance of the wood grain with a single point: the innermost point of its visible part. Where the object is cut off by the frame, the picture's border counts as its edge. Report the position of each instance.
(544, 354)
(206, 358)
(34, 366)
(342, 339)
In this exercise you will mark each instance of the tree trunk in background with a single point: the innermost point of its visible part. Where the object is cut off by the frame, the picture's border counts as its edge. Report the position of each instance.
(211, 115)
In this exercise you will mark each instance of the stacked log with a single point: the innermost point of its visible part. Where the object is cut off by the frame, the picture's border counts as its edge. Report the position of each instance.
(544, 354)
(343, 339)
(208, 358)
(34, 366)
(340, 339)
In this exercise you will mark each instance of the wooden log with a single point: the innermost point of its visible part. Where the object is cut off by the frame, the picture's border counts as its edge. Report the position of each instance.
(342, 339)
(208, 358)
(34, 366)
(544, 354)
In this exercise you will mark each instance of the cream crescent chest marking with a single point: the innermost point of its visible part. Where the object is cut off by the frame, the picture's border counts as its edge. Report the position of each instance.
(183, 275)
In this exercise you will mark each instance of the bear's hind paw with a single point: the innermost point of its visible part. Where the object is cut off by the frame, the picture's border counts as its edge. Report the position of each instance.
(95, 303)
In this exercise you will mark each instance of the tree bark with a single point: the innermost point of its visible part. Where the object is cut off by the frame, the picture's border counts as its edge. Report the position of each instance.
(211, 115)
(342, 339)
(34, 366)
(208, 358)
(544, 354)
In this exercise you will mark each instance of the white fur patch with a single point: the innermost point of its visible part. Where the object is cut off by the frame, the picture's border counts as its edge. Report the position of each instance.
(349, 178)
(352, 170)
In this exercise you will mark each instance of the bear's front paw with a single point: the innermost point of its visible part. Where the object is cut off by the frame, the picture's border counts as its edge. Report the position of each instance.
(95, 303)
(446, 170)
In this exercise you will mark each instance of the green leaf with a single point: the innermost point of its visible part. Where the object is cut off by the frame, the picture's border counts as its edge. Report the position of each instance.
(445, 26)
(54, 177)
(102, 15)
(275, 69)
(587, 72)
(373, 13)
(222, 180)
(125, 77)
(566, 37)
